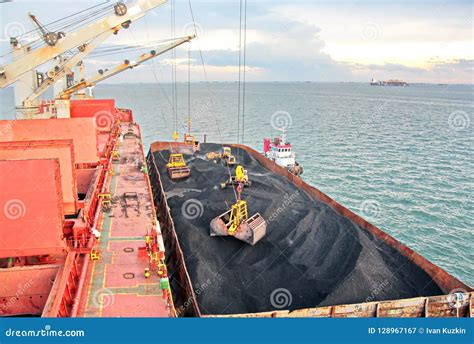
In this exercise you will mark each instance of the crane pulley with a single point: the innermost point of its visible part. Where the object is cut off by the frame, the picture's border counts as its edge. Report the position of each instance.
(65, 67)
(50, 38)
(31, 59)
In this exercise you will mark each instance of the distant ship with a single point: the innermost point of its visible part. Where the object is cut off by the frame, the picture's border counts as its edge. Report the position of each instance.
(280, 151)
(391, 82)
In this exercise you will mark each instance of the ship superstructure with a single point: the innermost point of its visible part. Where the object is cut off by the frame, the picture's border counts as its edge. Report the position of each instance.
(280, 150)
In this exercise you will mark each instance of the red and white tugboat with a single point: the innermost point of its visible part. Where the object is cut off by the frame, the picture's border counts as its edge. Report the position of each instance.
(280, 151)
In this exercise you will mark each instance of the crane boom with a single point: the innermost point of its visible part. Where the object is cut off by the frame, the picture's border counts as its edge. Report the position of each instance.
(28, 61)
(91, 81)
(54, 75)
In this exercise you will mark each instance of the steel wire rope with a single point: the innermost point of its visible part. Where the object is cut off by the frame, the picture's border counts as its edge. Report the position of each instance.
(244, 70)
(74, 23)
(203, 64)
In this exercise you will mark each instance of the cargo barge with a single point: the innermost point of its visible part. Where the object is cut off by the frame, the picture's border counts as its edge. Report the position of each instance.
(212, 276)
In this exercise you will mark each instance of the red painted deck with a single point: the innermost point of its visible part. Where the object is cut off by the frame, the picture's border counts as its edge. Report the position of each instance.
(115, 285)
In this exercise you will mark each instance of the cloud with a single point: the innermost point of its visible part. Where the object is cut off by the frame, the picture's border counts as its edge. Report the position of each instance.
(318, 41)
(455, 71)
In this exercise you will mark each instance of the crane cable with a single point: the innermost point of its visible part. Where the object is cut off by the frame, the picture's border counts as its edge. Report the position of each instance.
(240, 73)
(173, 72)
(211, 100)
(122, 48)
(60, 25)
(242, 68)
(189, 90)
(55, 25)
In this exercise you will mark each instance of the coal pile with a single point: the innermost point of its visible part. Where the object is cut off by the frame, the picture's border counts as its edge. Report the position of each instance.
(311, 255)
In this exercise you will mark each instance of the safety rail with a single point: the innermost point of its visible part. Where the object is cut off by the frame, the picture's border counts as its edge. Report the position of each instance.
(64, 288)
(68, 292)
(455, 305)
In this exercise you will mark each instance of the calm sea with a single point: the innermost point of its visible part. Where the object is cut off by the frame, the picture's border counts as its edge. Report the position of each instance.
(402, 157)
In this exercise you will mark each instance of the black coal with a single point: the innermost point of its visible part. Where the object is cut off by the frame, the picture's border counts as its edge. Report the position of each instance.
(311, 255)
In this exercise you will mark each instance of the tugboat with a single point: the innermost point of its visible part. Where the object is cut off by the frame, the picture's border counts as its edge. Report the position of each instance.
(280, 151)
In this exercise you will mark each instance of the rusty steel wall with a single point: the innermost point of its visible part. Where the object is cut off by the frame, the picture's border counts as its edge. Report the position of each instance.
(24, 290)
(458, 305)
(184, 298)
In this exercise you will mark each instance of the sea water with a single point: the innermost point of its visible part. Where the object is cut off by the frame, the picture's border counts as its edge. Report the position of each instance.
(401, 157)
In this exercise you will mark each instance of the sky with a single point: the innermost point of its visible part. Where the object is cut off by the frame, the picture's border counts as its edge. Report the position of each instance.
(416, 41)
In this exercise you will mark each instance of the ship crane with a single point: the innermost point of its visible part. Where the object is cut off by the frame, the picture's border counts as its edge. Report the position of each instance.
(64, 68)
(22, 69)
(127, 64)
(50, 38)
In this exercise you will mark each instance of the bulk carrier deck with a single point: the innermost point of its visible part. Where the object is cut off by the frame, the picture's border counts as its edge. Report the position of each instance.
(78, 273)
(79, 234)
(330, 261)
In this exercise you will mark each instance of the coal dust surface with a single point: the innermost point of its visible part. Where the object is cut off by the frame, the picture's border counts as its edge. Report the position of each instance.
(311, 255)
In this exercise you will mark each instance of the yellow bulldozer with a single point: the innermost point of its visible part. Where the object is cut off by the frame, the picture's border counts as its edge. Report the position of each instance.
(241, 176)
(177, 168)
(226, 156)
